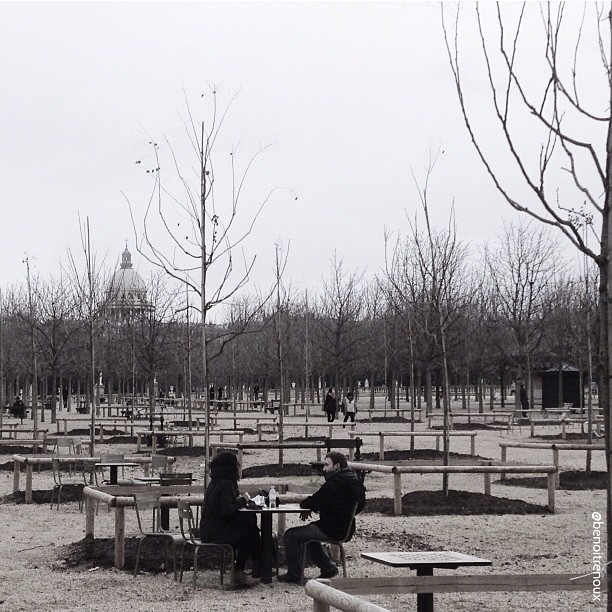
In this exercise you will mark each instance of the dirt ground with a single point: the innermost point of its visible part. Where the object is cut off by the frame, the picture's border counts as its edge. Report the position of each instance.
(48, 564)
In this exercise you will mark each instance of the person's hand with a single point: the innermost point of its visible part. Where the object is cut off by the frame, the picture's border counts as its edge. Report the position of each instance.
(305, 515)
(246, 496)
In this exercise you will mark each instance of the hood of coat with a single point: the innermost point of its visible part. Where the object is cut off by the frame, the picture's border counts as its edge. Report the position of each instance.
(224, 466)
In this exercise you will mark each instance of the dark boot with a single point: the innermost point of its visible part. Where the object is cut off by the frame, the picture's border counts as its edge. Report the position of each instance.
(242, 581)
(256, 569)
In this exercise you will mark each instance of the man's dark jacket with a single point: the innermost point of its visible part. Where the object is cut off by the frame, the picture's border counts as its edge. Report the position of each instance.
(335, 501)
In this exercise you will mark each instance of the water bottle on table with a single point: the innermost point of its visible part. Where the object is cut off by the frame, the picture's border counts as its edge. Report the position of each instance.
(272, 497)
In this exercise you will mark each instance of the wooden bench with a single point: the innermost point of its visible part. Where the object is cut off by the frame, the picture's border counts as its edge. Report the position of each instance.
(397, 470)
(340, 592)
(418, 434)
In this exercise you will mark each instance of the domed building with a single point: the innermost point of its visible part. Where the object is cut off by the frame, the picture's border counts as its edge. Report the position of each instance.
(126, 293)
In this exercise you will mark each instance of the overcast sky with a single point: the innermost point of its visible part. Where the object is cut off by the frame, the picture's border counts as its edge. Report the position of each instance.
(351, 97)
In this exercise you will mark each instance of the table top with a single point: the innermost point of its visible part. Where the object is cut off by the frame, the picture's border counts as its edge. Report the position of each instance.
(116, 464)
(283, 508)
(414, 560)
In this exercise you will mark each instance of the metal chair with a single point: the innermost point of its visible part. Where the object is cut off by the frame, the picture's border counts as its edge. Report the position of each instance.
(188, 528)
(145, 502)
(159, 463)
(339, 543)
(59, 483)
(63, 443)
(167, 479)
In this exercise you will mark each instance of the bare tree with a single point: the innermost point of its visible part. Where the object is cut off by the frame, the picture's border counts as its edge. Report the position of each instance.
(558, 104)
(90, 290)
(55, 327)
(201, 224)
(522, 269)
(427, 272)
(339, 319)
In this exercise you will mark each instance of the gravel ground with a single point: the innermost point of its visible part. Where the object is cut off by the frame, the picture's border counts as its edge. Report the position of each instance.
(34, 541)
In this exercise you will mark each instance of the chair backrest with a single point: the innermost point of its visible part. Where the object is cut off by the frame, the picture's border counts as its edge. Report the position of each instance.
(175, 478)
(55, 467)
(349, 532)
(106, 457)
(145, 501)
(159, 463)
(89, 472)
(64, 442)
(186, 520)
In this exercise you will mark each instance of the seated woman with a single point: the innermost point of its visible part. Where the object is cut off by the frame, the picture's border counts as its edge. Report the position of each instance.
(221, 521)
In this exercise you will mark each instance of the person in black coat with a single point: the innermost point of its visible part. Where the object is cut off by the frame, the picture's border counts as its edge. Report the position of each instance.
(524, 401)
(221, 521)
(334, 502)
(330, 406)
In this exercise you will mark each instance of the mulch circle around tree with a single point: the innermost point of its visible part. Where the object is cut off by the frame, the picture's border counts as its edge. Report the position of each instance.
(570, 436)
(472, 426)
(89, 553)
(572, 480)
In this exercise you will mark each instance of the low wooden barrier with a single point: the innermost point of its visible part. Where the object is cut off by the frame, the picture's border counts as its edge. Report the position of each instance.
(394, 412)
(174, 433)
(565, 422)
(30, 461)
(330, 426)
(555, 448)
(353, 445)
(418, 434)
(325, 597)
(341, 593)
(486, 470)
(498, 415)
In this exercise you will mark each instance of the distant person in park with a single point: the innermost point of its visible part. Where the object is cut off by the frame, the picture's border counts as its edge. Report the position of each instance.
(18, 409)
(334, 502)
(65, 396)
(220, 393)
(524, 401)
(330, 406)
(256, 392)
(348, 407)
(211, 392)
(222, 523)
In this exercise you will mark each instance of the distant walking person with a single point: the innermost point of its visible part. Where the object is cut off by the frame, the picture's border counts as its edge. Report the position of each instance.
(524, 401)
(349, 408)
(330, 406)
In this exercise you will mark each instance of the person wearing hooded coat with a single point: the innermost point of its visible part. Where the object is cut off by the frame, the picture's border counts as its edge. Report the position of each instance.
(222, 523)
(334, 502)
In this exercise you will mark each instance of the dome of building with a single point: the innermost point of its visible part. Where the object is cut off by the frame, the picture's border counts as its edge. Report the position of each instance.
(126, 289)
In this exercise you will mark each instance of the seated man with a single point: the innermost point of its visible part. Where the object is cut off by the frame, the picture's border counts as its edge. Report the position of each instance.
(334, 502)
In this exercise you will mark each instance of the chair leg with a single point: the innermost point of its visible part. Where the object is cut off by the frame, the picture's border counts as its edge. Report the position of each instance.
(137, 556)
(195, 566)
(343, 558)
(182, 561)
